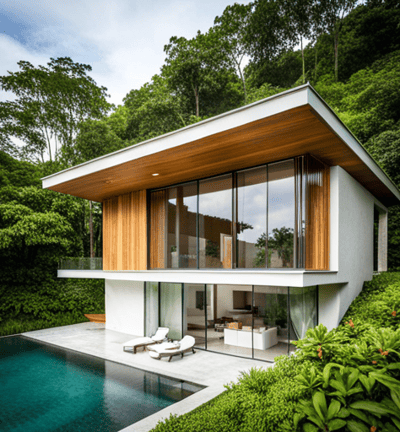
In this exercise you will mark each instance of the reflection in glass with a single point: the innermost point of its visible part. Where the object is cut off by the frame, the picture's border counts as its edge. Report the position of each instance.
(215, 222)
(281, 214)
(151, 308)
(270, 321)
(251, 217)
(182, 223)
(171, 309)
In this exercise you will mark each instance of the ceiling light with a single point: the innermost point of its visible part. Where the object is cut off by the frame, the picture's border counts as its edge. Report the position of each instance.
(155, 174)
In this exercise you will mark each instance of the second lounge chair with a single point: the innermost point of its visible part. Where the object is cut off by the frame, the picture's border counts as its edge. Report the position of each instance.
(134, 344)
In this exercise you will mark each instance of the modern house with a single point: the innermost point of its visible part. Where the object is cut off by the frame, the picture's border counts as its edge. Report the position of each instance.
(242, 230)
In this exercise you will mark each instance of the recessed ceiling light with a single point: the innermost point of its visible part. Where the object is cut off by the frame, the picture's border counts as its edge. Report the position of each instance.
(155, 174)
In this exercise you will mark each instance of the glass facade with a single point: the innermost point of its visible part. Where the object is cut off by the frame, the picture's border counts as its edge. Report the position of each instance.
(251, 209)
(215, 222)
(263, 217)
(249, 321)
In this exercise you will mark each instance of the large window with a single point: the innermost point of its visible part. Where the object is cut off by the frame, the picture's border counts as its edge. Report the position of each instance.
(259, 322)
(272, 216)
(215, 222)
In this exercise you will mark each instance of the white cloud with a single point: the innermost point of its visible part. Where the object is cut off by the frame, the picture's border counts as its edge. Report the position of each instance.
(122, 40)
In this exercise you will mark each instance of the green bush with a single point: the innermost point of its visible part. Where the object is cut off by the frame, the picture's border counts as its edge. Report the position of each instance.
(347, 379)
(53, 303)
(261, 400)
(377, 302)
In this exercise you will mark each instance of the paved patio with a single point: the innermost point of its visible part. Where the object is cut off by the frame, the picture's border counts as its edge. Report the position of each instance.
(205, 368)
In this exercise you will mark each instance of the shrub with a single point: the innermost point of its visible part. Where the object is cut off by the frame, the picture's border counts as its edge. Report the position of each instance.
(261, 400)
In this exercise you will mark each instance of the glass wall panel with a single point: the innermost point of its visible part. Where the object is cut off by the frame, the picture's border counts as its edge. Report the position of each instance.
(251, 217)
(303, 310)
(281, 214)
(151, 312)
(171, 309)
(270, 322)
(197, 314)
(215, 222)
(182, 226)
(232, 320)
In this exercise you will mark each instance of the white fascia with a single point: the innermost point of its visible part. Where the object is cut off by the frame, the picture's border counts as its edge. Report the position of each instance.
(294, 278)
(318, 104)
(256, 111)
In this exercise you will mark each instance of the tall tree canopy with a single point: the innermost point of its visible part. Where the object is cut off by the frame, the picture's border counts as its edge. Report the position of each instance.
(230, 29)
(51, 103)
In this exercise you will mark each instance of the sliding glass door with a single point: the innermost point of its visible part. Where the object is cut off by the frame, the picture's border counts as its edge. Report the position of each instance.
(171, 309)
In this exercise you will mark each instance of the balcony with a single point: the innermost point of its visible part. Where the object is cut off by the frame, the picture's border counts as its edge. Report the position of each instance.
(81, 264)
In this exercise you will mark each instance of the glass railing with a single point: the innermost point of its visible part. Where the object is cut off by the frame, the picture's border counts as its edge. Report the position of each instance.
(81, 264)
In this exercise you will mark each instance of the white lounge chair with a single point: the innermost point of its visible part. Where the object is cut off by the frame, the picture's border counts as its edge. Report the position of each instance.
(169, 350)
(134, 344)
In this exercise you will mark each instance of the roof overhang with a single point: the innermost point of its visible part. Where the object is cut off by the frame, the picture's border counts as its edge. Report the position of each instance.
(289, 124)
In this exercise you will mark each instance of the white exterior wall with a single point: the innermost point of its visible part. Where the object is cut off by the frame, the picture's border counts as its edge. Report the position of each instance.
(351, 243)
(125, 306)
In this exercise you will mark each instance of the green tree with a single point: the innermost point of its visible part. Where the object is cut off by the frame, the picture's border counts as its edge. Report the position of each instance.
(154, 110)
(196, 72)
(51, 103)
(268, 34)
(301, 15)
(230, 28)
(333, 14)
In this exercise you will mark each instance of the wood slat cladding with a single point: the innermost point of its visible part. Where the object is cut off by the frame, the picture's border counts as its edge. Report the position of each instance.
(125, 232)
(281, 136)
(318, 210)
(158, 221)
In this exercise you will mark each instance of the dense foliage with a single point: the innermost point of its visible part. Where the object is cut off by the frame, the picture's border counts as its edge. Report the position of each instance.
(348, 49)
(37, 228)
(347, 379)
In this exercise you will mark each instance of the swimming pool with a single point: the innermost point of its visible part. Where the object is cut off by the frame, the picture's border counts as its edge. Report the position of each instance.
(46, 388)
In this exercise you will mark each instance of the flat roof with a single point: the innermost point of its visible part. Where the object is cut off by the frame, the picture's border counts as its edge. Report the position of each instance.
(288, 124)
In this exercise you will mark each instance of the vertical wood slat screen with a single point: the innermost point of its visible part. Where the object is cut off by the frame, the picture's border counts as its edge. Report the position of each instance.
(158, 207)
(125, 232)
(317, 230)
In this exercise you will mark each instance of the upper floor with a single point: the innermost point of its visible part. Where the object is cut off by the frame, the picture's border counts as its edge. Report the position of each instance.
(250, 189)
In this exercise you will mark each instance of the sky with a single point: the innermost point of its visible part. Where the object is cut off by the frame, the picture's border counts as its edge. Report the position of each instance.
(122, 40)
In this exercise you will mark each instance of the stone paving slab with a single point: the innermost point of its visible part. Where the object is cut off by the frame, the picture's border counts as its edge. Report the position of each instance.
(204, 368)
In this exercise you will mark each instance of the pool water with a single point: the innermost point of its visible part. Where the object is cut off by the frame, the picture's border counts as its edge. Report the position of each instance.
(46, 388)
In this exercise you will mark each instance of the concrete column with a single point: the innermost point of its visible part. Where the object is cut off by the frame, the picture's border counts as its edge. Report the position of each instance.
(382, 241)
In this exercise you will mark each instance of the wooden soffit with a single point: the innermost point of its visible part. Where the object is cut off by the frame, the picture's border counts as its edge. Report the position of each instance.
(287, 134)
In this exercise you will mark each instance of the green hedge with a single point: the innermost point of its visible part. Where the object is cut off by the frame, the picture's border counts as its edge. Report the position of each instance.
(53, 303)
(345, 380)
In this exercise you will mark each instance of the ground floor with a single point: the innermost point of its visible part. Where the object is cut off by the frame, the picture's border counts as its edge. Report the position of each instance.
(204, 368)
(250, 321)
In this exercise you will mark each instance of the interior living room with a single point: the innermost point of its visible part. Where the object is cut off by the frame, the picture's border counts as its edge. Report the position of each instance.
(257, 322)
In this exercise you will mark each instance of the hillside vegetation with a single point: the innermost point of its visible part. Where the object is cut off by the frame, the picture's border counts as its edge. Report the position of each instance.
(349, 51)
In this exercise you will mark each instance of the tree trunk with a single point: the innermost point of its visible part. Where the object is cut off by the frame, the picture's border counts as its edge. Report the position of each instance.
(244, 85)
(91, 230)
(316, 62)
(302, 60)
(196, 95)
(336, 50)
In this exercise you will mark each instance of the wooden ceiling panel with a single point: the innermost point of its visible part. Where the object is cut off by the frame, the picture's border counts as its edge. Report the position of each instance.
(292, 133)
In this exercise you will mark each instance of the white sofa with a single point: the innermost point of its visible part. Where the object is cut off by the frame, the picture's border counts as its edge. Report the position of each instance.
(242, 338)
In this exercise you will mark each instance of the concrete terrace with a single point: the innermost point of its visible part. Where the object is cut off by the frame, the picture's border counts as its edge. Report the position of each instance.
(205, 368)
